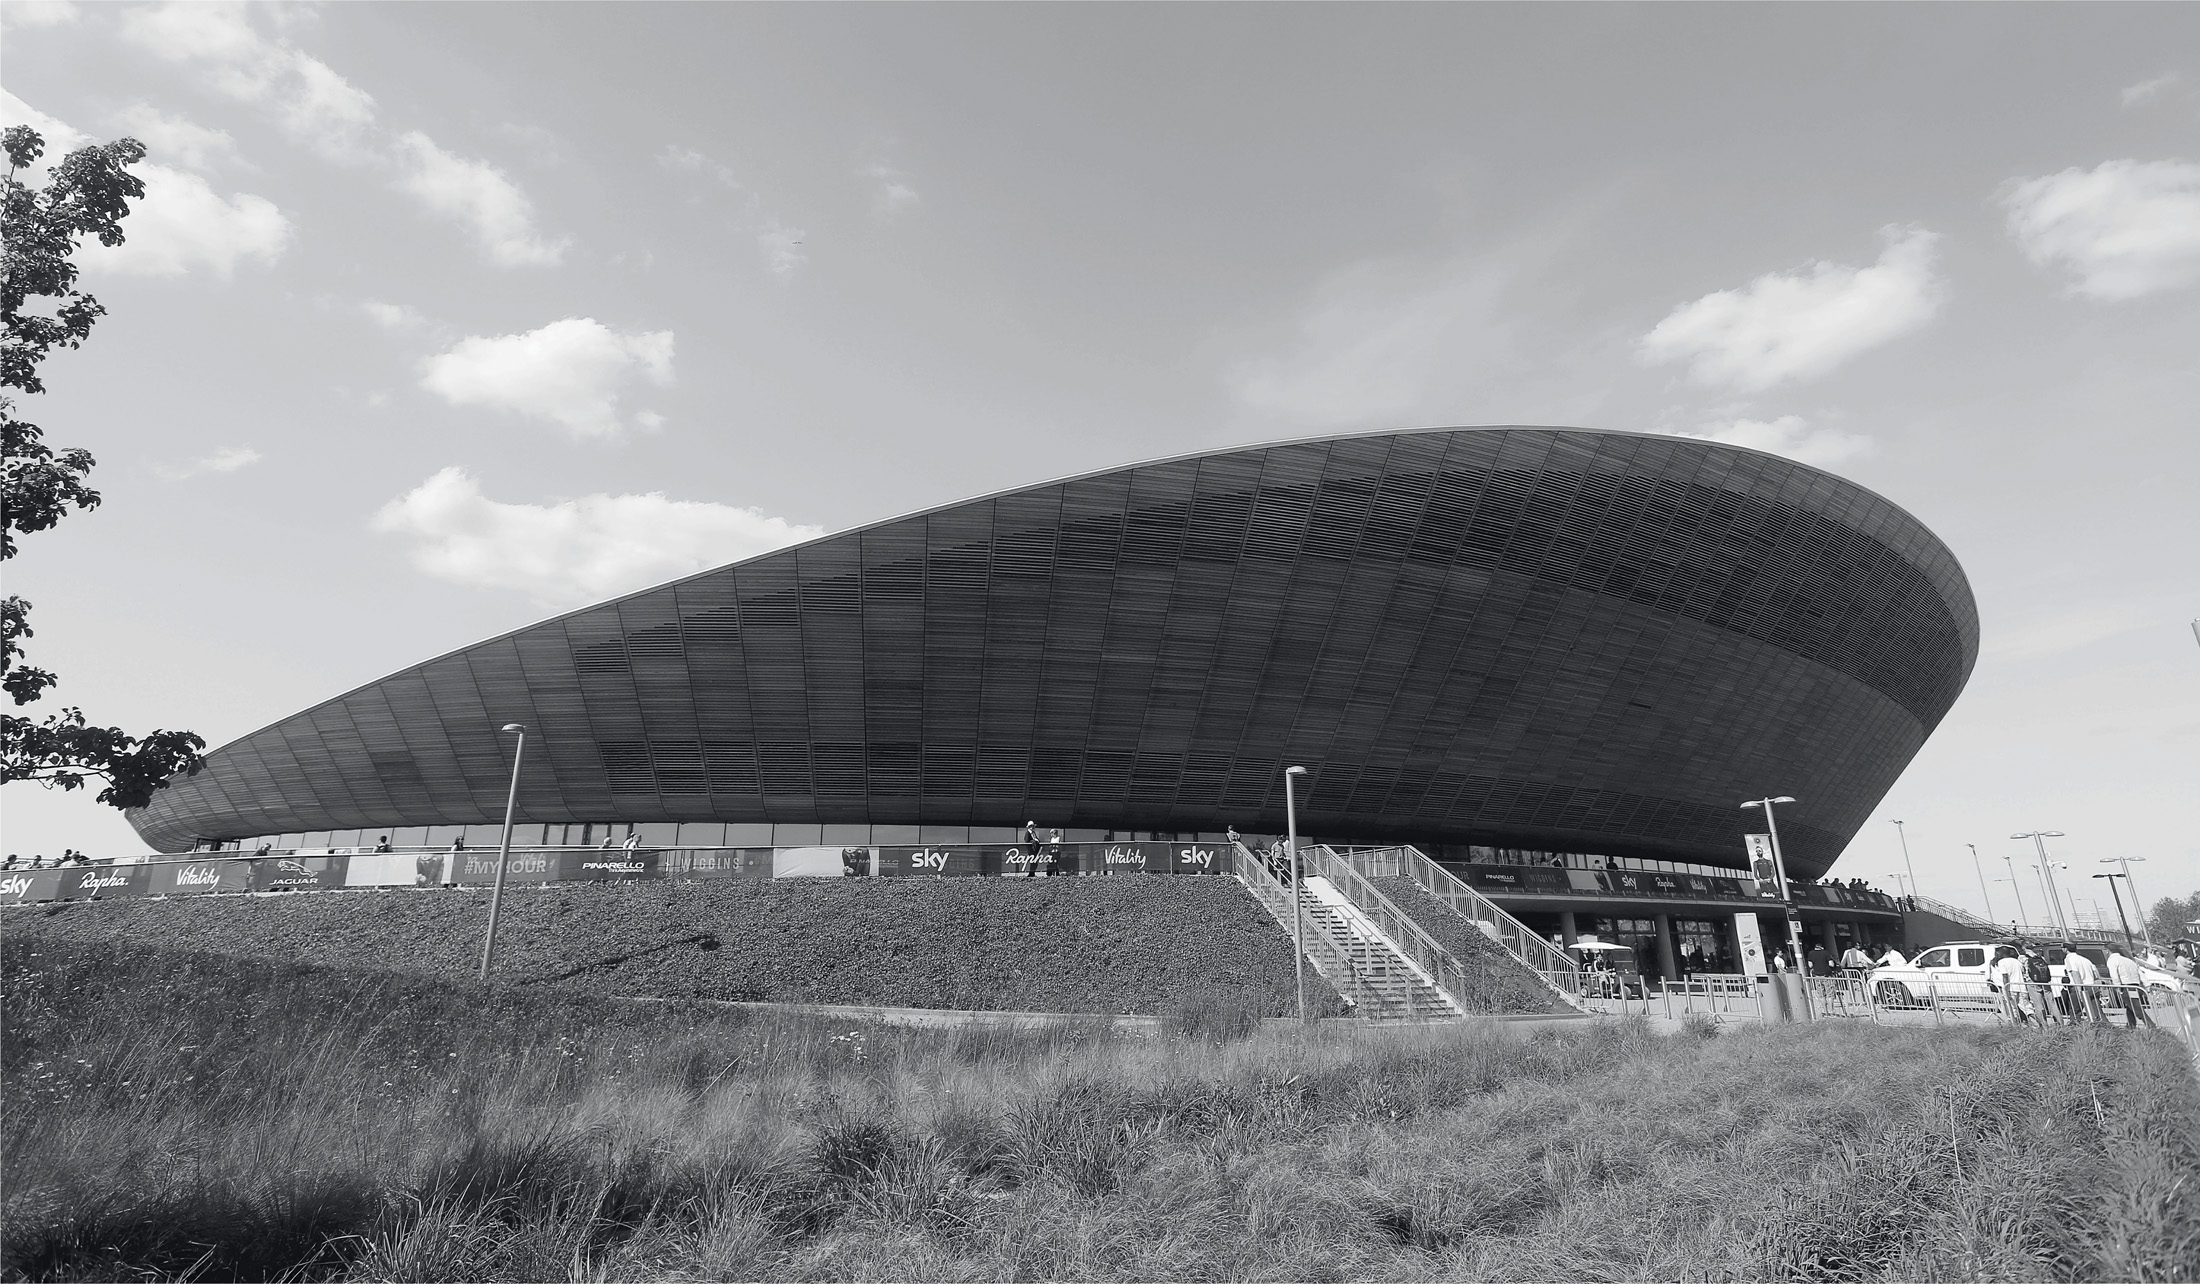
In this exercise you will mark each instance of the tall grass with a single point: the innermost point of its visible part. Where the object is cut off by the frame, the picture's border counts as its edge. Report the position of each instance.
(174, 1115)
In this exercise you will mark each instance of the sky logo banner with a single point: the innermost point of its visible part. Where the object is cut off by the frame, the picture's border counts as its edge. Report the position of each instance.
(29, 887)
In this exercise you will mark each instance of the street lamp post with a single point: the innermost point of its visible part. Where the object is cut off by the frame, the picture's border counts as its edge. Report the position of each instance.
(1298, 895)
(2119, 905)
(2138, 906)
(1981, 870)
(504, 850)
(2016, 886)
(1906, 889)
(2039, 839)
(1779, 871)
(1904, 835)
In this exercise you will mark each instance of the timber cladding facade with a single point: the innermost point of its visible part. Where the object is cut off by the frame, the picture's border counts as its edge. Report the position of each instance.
(1551, 638)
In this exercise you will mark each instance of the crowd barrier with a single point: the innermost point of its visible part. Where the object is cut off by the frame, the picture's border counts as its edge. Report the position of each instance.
(541, 865)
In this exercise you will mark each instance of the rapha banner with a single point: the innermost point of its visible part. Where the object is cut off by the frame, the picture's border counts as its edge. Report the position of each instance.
(298, 873)
(1025, 861)
(30, 886)
(105, 882)
(190, 878)
(1750, 946)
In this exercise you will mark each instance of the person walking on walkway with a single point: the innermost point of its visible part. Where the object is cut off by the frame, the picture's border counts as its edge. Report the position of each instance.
(2081, 976)
(2130, 983)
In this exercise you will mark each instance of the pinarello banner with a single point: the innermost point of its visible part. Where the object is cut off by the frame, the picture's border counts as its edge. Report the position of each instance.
(613, 866)
(298, 873)
(189, 879)
(30, 886)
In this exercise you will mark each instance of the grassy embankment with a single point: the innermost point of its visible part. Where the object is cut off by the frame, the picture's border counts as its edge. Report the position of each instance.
(1495, 980)
(1123, 944)
(167, 1113)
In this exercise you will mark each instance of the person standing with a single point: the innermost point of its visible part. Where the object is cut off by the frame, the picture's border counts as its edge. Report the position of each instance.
(1854, 959)
(382, 844)
(2130, 983)
(2079, 978)
(1893, 958)
(633, 843)
(2008, 977)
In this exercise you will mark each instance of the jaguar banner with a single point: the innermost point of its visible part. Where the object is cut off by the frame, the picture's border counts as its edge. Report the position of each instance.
(298, 873)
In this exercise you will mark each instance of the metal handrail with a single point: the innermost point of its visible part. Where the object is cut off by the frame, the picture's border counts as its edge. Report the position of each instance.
(1398, 928)
(1537, 954)
(1342, 973)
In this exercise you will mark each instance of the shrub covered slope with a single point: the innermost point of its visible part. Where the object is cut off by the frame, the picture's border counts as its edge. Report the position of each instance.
(173, 1115)
(1127, 943)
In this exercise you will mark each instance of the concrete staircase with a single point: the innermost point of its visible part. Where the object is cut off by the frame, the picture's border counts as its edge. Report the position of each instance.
(1384, 984)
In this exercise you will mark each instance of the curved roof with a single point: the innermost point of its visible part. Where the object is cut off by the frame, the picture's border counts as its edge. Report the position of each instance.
(1543, 637)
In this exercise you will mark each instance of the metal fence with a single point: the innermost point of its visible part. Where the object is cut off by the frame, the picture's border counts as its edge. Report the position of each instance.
(1545, 959)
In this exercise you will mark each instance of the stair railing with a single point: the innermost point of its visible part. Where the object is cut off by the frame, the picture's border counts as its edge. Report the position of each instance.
(1398, 928)
(1328, 956)
(1540, 956)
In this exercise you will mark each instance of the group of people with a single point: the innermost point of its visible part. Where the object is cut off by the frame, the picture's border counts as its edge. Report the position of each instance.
(2032, 993)
(68, 856)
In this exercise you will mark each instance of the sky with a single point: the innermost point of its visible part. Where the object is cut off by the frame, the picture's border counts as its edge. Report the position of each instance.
(436, 320)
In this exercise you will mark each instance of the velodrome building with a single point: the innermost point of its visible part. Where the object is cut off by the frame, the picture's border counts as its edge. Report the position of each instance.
(1555, 659)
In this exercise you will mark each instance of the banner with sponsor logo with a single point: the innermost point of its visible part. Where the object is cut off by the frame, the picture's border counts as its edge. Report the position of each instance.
(103, 882)
(1195, 858)
(1124, 858)
(298, 873)
(750, 864)
(613, 865)
(938, 862)
(29, 886)
(1749, 945)
(479, 868)
(187, 879)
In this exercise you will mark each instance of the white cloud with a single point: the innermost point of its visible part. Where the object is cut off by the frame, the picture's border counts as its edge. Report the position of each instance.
(891, 192)
(782, 249)
(570, 372)
(686, 160)
(181, 224)
(170, 138)
(577, 550)
(1787, 435)
(1798, 325)
(1375, 342)
(393, 316)
(31, 14)
(2149, 89)
(308, 99)
(227, 460)
(2123, 229)
(477, 194)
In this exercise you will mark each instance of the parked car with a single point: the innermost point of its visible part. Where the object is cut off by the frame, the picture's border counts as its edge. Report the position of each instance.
(1961, 971)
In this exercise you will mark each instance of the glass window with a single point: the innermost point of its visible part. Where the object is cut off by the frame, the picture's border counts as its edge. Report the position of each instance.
(703, 833)
(313, 838)
(895, 835)
(484, 835)
(657, 833)
(798, 835)
(343, 838)
(1000, 834)
(846, 835)
(409, 836)
(943, 834)
(284, 842)
(1085, 835)
(748, 835)
(1973, 957)
(441, 835)
(1933, 958)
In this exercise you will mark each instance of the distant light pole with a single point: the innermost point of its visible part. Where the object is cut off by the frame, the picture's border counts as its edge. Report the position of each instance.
(1779, 872)
(504, 849)
(1905, 888)
(1982, 881)
(2016, 886)
(2039, 839)
(2112, 877)
(1298, 895)
(1904, 836)
(2138, 906)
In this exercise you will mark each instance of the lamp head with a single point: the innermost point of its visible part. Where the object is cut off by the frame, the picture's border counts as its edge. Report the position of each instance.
(1294, 771)
(1783, 799)
(515, 726)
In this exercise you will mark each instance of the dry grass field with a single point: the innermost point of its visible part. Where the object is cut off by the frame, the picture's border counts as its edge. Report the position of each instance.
(172, 1115)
